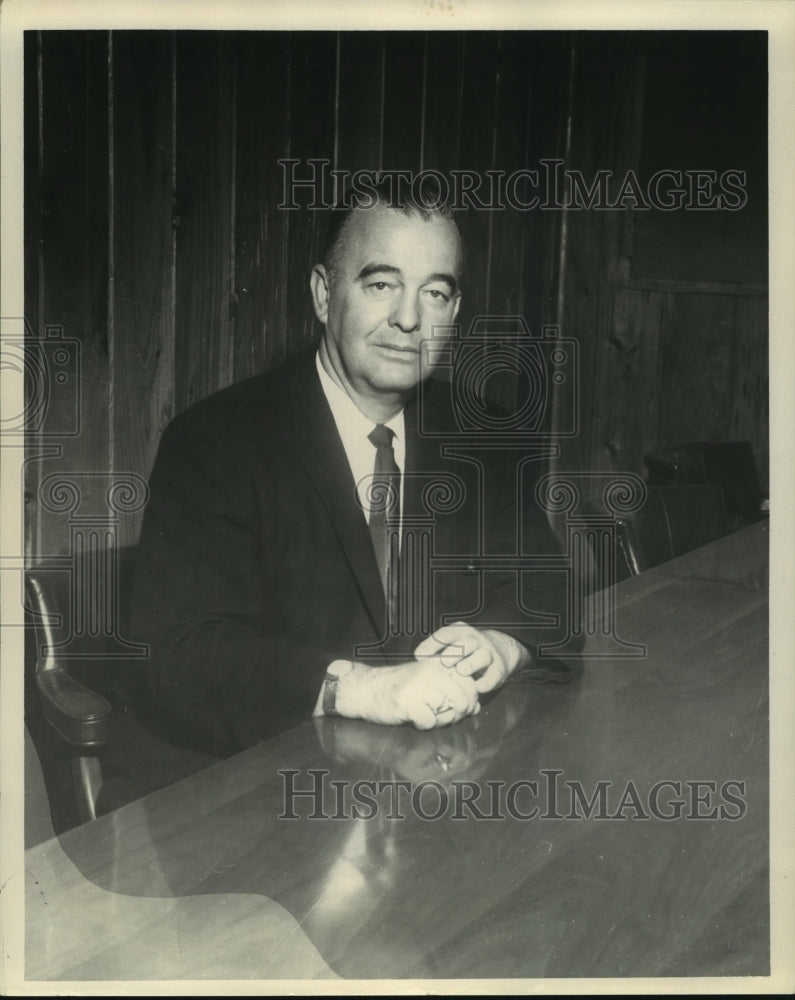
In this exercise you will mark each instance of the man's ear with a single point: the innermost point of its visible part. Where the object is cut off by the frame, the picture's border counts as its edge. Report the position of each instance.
(457, 304)
(319, 283)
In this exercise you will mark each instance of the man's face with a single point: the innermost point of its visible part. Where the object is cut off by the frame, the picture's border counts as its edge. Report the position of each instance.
(397, 278)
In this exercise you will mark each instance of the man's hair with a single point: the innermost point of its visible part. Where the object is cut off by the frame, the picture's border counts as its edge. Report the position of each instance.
(396, 192)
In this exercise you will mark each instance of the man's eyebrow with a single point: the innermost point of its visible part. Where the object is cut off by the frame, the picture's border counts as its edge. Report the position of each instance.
(448, 279)
(370, 269)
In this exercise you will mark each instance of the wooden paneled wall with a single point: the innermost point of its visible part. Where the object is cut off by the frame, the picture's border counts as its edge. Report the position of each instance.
(667, 359)
(155, 241)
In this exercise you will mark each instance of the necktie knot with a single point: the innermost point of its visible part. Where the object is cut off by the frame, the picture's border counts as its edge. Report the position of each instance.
(381, 436)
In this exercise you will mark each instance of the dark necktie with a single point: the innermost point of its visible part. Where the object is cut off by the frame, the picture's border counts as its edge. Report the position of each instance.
(385, 507)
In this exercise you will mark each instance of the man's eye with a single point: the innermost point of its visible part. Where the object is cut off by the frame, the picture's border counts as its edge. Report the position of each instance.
(379, 286)
(438, 296)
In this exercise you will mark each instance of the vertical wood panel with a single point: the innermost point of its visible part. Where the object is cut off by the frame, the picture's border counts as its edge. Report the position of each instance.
(507, 289)
(74, 262)
(313, 58)
(204, 262)
(443, 95)
(696, 369)
(479, 102)
(625, 114)
(631, 410)
(403, 97)
(261, 328)
(549, 58)
(360, 100)
(749, 389)
(143, 329)
(605, 120)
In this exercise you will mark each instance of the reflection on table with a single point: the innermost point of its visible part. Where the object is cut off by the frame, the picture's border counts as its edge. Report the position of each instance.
(420, 855)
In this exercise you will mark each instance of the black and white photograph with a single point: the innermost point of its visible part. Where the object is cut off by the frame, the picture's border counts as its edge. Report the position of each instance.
(394, 554)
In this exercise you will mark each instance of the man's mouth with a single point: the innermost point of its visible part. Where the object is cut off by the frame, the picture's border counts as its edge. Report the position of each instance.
(409, 352)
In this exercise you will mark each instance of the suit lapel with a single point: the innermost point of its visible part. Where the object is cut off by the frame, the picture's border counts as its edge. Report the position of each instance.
(422, 461)
(322, 454)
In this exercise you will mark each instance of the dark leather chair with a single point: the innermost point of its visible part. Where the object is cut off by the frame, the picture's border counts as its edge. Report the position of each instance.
(672, 521)
(728, 464)
(86, 699)
(79, 717)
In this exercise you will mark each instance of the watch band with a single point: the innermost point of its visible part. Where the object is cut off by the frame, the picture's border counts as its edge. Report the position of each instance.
(330, 683)
(334, 674)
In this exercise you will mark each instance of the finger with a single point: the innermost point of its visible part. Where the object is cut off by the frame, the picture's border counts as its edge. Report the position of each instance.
(467, 695)
(453, 654)
(463, 645)
(452, 702)
(423, 717)
(484, 683)
(443, 637)
(468, 665)
(448, 706)
(474, 700)
(461, 700)
(429, 646)
(491, 678)
(445, 716)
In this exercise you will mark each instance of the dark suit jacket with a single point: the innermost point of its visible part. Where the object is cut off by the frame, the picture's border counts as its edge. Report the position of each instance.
(255, 567)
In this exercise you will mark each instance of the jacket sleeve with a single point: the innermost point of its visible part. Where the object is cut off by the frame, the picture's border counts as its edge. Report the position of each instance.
(215, 674)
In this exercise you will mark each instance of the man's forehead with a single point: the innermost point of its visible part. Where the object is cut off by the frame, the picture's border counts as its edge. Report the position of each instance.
(381, 233)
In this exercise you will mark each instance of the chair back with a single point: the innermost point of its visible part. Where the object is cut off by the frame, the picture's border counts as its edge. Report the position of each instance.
(674, 520)
(80, 609)
(81, 671)
(728, 464)
(95, 731)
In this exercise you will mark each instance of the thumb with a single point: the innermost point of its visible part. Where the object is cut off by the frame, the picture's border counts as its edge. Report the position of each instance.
(429, 646)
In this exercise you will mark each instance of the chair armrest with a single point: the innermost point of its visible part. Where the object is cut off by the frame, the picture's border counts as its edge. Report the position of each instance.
(80, 716)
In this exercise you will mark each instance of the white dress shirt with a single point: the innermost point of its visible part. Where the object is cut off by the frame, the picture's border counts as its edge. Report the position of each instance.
(353, 427)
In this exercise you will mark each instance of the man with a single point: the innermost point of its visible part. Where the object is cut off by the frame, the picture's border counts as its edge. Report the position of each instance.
(262, 593)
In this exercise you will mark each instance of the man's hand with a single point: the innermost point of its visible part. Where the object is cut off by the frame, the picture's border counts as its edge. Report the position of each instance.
(486, 656)
(424, 692)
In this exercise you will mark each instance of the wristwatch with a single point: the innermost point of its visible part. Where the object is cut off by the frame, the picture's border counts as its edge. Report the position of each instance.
(334, 674)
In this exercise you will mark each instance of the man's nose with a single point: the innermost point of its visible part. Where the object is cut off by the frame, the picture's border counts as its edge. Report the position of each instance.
(406, 313)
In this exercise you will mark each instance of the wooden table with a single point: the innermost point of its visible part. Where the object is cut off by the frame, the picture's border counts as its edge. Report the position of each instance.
(205, 880)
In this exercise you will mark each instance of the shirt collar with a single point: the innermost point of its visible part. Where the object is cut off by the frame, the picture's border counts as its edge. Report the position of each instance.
(349, 418)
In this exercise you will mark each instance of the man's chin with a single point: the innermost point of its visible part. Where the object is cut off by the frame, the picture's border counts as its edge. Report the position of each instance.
(396, 378)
